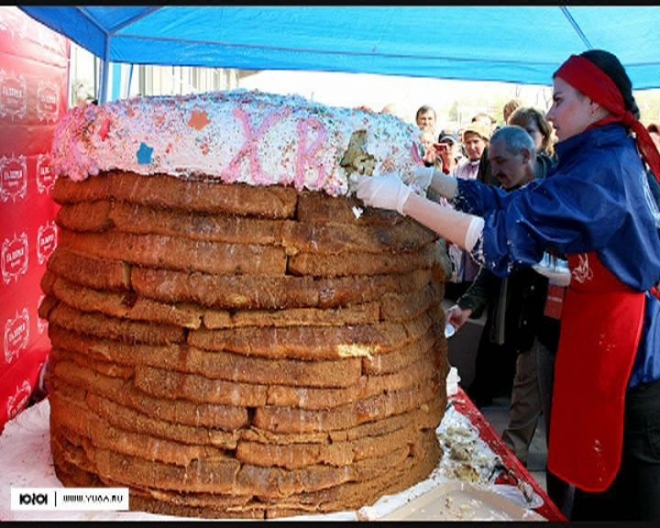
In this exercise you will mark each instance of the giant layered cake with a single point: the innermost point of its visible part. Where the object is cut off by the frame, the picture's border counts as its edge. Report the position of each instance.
(234, 335)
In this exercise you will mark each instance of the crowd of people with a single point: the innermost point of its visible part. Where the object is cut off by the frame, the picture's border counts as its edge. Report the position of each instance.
(515, 353)
(576, 184)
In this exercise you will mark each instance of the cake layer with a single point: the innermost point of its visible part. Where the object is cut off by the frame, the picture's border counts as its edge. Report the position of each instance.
(248, 381)
(408, 306)
(300, 455)
(86, 270)
(190, 504)
(324, 398)
(314, 343)
(328, 237)
(72, 465)
(426, 415)
(80, 419)
(266, 293)
(168, 384)
(318, 208)
(356, 236)
(84, 422)
(86, 216)
(178, 253)
(232, 229)
(73, 372)
(103, 215)
(123, 393)
(219, 365)
(353, 495)
(363, 313)
(300, 421)
(215, 403)
(197, 475)
(394, 361)
(123, 305)
(350, 495)
(114, 328)
(131, 420)
(362, 263)
(198, 195)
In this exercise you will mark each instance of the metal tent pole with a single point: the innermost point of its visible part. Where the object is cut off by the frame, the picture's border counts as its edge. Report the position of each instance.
(105, 69)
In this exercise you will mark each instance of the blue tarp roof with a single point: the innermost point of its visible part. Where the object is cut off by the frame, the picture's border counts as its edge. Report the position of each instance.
(487, 43)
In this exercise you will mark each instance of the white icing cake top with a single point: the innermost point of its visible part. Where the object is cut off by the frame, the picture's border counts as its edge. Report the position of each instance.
(237, 136)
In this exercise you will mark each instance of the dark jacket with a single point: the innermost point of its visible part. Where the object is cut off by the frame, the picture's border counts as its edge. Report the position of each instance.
(515, 304)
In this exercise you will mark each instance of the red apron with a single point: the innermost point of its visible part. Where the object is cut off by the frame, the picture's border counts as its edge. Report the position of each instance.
(601, 326)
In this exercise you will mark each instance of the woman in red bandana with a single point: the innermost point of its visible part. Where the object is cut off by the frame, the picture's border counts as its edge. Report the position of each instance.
(597, 208)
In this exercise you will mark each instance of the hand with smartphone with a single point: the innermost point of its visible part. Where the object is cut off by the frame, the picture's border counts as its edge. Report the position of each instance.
(441, 148)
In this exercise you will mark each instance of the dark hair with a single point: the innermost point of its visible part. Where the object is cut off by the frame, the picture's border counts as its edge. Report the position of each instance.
(423, 110)
(612, 67)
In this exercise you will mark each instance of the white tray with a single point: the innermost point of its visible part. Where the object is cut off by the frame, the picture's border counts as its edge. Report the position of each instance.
(461, 501)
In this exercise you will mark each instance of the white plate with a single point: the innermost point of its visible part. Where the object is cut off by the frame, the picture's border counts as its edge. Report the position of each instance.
(556, 270)
(514, 494)
(461, 501)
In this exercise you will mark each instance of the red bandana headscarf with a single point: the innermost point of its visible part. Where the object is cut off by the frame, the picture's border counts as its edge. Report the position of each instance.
(589, 79)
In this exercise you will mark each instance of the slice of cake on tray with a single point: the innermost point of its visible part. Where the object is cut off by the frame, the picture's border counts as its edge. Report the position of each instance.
(233, 334)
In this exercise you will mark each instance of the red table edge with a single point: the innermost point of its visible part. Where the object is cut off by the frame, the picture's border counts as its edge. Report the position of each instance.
(489, 435)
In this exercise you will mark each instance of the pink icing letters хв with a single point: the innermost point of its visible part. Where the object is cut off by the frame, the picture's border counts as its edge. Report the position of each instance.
(306, 155)
(250, 145)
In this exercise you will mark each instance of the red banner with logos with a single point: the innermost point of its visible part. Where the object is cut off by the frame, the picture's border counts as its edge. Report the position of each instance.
(34, 75)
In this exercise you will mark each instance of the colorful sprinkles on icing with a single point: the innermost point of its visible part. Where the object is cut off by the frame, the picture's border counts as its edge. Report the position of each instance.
(198, 120)
(144, 154)
(236, 136)
(104, 129)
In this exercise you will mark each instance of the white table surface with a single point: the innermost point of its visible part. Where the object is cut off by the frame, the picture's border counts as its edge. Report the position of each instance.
(26, 462)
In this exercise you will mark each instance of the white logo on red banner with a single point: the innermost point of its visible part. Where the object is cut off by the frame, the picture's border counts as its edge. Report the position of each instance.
(45, 174)
(13, 95)
(19, 400)
(42, 324)
(48, 101)
(14, 258)
(17, 334)
(46, 241)
(13, 178)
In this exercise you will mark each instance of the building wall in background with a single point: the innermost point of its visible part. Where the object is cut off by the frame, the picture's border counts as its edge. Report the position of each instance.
(455, 101)
(125, 81)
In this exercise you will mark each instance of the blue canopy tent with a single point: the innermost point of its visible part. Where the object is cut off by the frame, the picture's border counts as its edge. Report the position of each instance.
(487, 43)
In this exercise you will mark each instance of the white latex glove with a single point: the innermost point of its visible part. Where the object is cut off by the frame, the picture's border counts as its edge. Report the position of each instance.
(385, 192)
(422, 178)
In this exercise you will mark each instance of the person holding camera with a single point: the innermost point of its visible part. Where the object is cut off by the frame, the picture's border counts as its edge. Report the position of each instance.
(448, 149)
